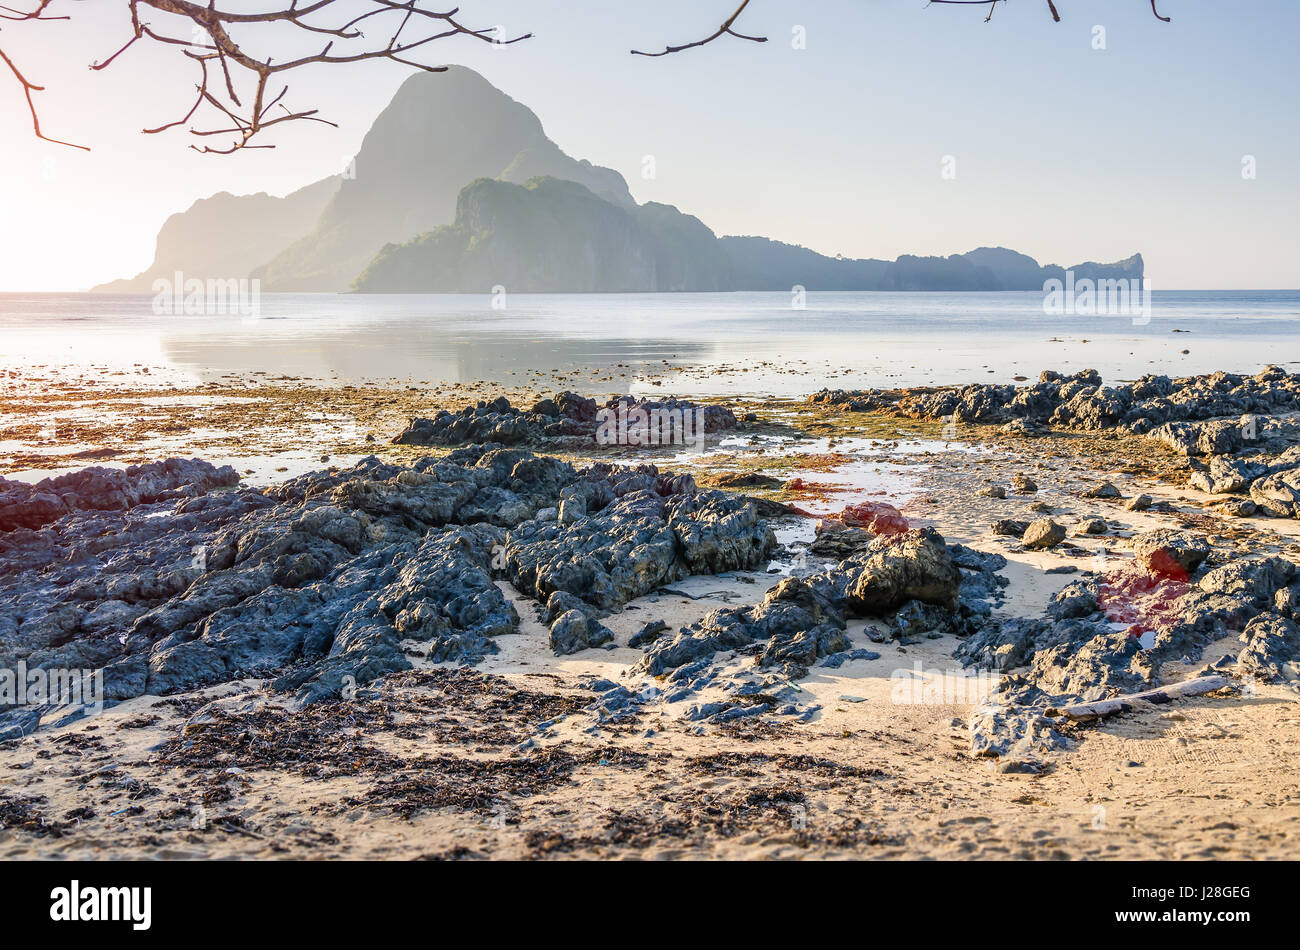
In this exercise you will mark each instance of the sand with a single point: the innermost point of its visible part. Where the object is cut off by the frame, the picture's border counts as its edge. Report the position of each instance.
(438, 763)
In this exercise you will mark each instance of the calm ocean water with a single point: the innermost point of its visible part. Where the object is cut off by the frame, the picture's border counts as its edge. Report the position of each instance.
(752, 343)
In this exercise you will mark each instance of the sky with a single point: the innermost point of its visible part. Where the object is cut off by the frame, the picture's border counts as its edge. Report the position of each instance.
(894, 127)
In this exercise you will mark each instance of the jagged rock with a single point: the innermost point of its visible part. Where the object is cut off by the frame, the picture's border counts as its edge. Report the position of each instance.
(1043, 533)
(1089, 663)
(804, 617)
(1209, 437)
(1272, 646)
(574, 630)
(851, 401)
(637, 543)
(1168, 552)
(1278, 494)
(836, 540)
(916, 619)
(1003, 645)
(1092, 526)
(648, 634)
(1286, 602)
(567, 416)
(916, 566)
(1104, 490)
(24, 505)
(801, 648)
(1024, 484)
(331, 579)
(1138, 503)
(1214, 414)
(1227, 475)
(1009, 528)
(562, 602)
(1237, 508)
(1073, 600)
(998, 731)
(1255, 580)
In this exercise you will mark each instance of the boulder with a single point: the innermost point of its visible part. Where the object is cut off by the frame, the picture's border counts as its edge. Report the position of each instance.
(1043, 533)
(1166, 552)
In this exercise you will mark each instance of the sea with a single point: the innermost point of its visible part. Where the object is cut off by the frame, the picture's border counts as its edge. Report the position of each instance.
(705, 344)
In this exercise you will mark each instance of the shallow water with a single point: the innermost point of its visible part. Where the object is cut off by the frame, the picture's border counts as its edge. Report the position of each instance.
(703, 344)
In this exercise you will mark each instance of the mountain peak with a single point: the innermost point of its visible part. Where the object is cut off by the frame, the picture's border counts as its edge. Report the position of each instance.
(440, 131)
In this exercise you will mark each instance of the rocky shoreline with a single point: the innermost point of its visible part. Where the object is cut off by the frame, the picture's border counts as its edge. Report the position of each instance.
(326, 589)
(1240, 433)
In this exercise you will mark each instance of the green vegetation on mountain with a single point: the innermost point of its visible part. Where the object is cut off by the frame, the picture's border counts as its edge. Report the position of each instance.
(553, 236)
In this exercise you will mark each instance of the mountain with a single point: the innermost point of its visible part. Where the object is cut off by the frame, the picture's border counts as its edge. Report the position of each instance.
(229, 235)
(557, 236)
(762, 264)
(457, 187)
(1011, 270)
(552, 235)
(1129, 269)
(440, 132)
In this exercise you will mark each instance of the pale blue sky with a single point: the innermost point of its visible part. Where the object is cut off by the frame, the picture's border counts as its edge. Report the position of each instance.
(1064, 152)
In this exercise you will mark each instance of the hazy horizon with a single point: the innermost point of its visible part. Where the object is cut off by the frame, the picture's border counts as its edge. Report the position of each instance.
(1063, 152)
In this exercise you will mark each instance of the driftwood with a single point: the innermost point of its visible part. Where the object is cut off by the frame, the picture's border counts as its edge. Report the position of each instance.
(1108, 707)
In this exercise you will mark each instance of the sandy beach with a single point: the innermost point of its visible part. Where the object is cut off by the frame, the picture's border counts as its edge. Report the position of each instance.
(514, 757)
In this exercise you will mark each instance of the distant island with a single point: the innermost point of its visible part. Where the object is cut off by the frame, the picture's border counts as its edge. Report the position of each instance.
(500, 204)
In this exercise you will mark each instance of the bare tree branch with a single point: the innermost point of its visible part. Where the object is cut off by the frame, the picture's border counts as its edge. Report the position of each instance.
(1051, 6)
(239, 101)
(28, 89)
(207, 35)
(725, 29)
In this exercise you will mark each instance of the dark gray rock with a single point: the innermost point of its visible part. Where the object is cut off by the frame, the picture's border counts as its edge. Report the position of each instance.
(1272, 647)
(914, 566)
(836, 660)
(574, 630)
(567, 417)
(803, 618)
(1002, 645)
(332, 579)
(1009, 528)
(24, 505)
(1278, 494)
(1168, 552)
(1227, 475)
(648, 634)
(1073, 600)
(1256, 580)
